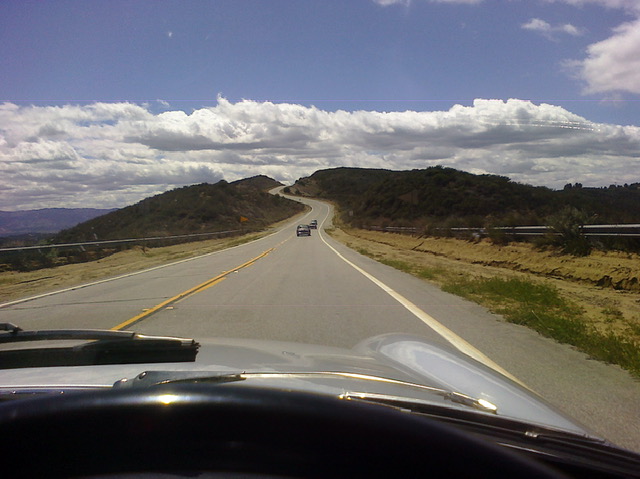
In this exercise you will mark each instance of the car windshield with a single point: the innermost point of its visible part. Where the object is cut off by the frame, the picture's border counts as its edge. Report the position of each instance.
(469, 168)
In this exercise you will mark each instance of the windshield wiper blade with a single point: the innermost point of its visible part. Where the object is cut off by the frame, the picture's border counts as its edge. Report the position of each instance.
(156, 378)
(17, 334)
(553, 446)
(10, 327)
(456, 397)
(149, 379)
(98, 347)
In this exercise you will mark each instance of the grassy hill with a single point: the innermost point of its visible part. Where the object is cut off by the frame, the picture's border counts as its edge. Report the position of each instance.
(433, 195)
(242, 205)
(343, 185)
(190, 209)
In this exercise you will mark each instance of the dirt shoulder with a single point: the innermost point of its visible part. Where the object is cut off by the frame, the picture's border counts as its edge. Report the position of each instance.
(15, 285)
(605, 284)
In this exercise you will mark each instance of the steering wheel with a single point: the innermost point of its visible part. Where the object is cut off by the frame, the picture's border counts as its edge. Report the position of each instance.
(238, 429)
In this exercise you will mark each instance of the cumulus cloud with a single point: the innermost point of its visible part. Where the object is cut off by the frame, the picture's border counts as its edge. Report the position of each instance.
(111, 155)
(613, 65)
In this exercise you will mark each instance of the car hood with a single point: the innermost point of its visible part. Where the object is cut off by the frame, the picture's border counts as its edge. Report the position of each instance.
(395, 365)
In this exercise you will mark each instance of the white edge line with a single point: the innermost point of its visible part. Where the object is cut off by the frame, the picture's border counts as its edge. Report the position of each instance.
(448, 335)
(442, 330)
(127, 275)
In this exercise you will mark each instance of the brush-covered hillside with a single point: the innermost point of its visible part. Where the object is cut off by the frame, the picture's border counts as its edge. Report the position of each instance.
(419, 197)
(191, 209)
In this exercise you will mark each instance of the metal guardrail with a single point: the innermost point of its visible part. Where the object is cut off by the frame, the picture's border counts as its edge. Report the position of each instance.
(392, 229)
(114, 242)
(624, 230)
(617, 230)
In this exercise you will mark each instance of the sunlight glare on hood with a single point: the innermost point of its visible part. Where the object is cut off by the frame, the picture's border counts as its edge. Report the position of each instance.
(168, 398)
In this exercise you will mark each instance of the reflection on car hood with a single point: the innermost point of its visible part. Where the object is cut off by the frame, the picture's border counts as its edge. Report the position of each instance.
(399, 357)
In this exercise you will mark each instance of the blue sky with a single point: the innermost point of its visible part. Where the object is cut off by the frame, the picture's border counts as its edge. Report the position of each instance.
(106, 102)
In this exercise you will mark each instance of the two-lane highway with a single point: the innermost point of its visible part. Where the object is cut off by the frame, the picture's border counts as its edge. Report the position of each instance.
(315, 290)
(281, 287)
(301, 290)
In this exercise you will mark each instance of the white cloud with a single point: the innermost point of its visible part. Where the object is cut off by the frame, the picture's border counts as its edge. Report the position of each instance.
(570, 30)
(613, 65)
(111, 155)
(538, 25)
(551, 31)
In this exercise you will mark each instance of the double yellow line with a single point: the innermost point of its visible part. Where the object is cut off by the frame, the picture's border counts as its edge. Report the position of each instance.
(189, 292)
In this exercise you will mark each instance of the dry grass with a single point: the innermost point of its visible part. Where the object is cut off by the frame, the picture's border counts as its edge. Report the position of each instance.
(14, 285)
(604, 313)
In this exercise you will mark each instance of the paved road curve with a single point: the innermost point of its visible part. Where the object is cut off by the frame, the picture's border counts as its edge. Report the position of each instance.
(315, 290)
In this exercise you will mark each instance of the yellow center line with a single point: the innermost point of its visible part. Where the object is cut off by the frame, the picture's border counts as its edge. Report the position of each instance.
(189, 292)
(206, 286)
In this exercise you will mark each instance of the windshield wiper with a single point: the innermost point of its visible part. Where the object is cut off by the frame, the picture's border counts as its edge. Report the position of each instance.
(453, 396)
(97, 347)
(156, 378)
(543, 442)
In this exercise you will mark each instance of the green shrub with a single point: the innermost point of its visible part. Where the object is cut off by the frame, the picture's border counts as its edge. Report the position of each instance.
(567, 225)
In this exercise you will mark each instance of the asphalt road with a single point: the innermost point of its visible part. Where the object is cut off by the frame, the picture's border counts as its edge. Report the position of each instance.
(315, 290)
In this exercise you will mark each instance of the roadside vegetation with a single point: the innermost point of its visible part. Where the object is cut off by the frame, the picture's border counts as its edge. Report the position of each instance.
(190, 209)
(563, 285)
(234, 209)
(541, 307)
(21, 284)
(593, 319)
(436, 199)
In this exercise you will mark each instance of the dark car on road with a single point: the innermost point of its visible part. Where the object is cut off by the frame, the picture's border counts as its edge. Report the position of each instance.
(313, 225)
(303, 230)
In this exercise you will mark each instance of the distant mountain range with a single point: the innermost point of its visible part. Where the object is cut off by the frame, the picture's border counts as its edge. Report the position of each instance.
(47, 220)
